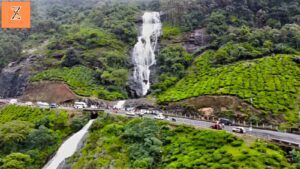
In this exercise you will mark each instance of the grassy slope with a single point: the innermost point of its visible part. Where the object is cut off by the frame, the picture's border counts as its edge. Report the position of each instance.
(272, 83)
(81, 79)
(111, 139)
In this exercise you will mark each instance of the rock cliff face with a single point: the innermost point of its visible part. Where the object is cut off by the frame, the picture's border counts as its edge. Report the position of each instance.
(195, 40)
(14, 77)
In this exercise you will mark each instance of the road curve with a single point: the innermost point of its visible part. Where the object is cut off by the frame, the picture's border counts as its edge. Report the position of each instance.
(267, 134)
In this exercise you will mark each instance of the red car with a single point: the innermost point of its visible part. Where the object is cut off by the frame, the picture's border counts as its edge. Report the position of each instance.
(217, 126)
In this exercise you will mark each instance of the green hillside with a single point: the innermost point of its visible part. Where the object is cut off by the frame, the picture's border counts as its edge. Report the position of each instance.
(146, 143)
(82, 80)
(29, 136)
(272, 83)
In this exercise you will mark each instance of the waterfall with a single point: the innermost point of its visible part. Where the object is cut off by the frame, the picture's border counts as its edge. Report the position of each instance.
(68, 148)
(143, 56)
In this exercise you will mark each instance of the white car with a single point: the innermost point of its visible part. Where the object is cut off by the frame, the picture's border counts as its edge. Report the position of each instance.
(160, 117)
(94, 107)
(140, 113)
(28, 104)
(129, 109)
(43, 105)
(13, 101)
(130, 113)
(80, 105)
(239, 130)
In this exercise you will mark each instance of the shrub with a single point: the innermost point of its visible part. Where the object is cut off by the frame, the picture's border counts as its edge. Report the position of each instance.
(17, 161)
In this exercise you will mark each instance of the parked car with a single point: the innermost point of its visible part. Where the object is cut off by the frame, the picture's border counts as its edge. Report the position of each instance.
(225, 121)
(94, 107)
(239, 130)
(43, 105)
(217, 126)
(129, 108)
(160, 117)
(53, 106)
(28, 104)
(130, 113)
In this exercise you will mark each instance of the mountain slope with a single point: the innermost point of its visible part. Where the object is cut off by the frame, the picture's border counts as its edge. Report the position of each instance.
(271, 83)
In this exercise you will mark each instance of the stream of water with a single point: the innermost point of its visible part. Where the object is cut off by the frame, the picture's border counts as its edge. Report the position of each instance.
(68, 148)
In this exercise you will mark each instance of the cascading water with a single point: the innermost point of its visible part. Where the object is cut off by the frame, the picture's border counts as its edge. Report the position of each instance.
(143, 56)
(68, 148)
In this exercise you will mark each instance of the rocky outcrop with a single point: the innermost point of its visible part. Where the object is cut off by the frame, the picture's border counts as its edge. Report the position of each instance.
(14, 77)
(195, 40)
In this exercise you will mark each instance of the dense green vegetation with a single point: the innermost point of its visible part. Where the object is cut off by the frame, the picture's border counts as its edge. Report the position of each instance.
(295, 158)
(190, 14)
(10, 49)
(99, 43)
(144, 143)
(173, 62)
(119, 19)
(104, 56)
(101, 52)
(255, 56)
(238, 31)
(272, 83)
(170, 32)
(29, 136)
(94, 34)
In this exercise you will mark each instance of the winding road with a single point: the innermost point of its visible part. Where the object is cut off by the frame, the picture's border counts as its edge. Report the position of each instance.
(265, 134)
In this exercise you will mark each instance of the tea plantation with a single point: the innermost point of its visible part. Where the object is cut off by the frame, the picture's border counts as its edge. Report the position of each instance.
(270, 83)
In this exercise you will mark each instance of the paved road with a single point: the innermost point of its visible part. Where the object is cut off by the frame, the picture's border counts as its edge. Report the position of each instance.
(266, 134)
(292, 138)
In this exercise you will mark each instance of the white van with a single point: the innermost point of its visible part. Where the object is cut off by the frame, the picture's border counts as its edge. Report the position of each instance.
(13, 101)
(43, 105)
(80, 105)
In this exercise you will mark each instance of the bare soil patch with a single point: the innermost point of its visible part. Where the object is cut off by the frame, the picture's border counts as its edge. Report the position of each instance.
(48, 91)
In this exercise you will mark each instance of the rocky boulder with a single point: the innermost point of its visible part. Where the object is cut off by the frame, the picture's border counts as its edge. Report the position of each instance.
(14, 77)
